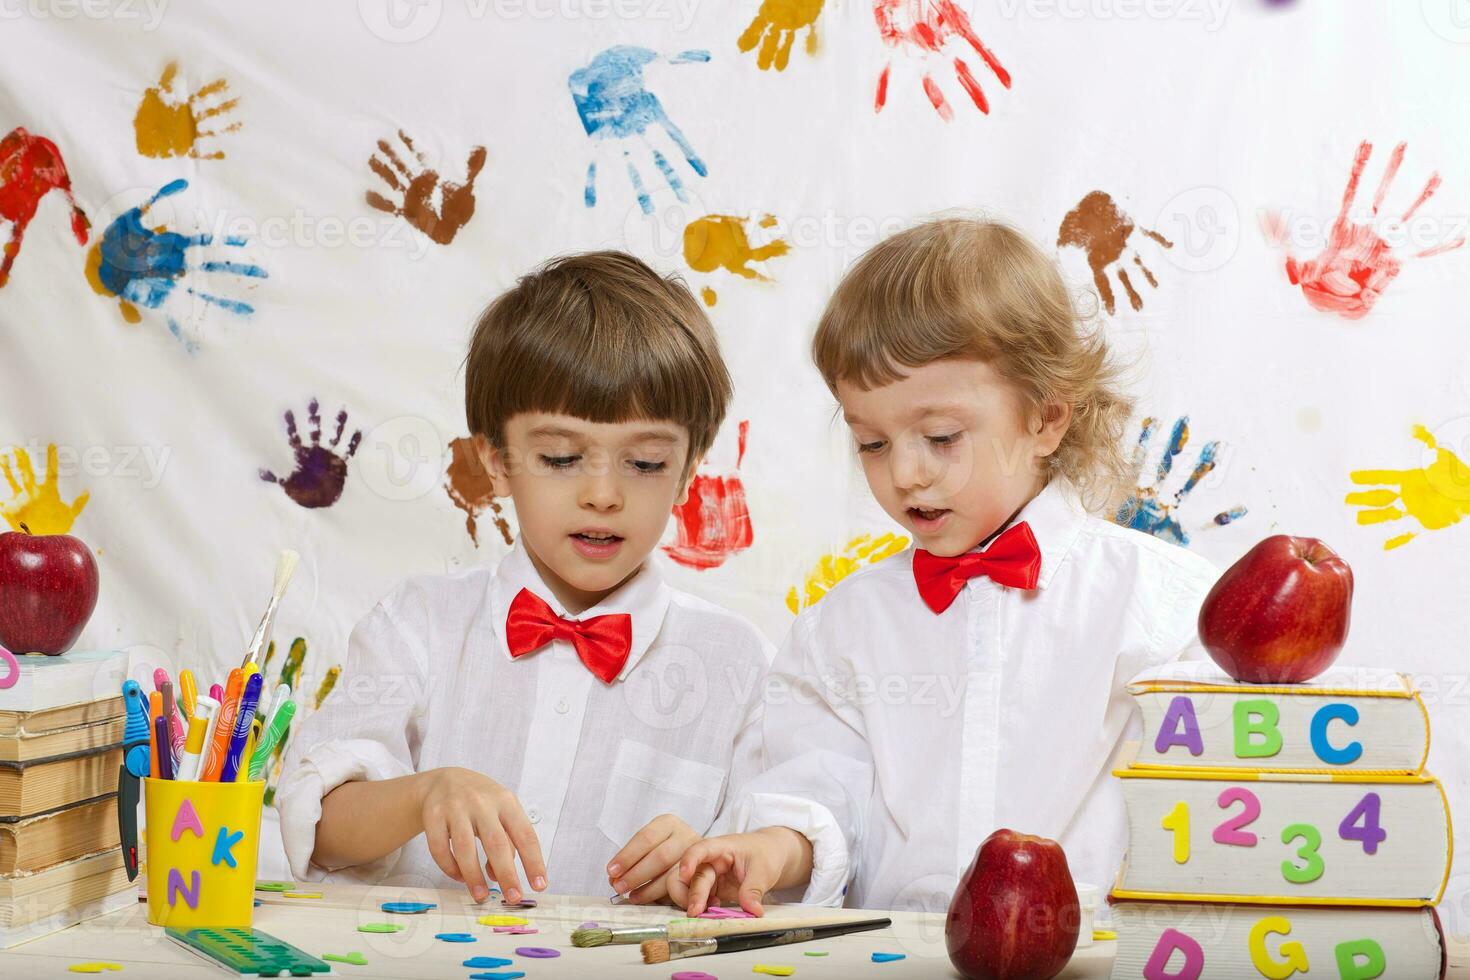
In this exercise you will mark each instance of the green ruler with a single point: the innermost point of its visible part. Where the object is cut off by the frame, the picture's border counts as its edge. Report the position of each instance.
(250, 951)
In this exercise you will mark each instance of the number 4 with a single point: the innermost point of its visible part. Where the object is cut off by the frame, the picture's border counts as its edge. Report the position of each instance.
(1368, 832)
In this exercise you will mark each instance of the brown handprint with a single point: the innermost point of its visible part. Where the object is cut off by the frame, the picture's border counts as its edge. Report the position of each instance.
(439, 208)
(1357, 264)
(468, 484)
(774, 28)
(926, 26)
(1099, 228)
(167, 125)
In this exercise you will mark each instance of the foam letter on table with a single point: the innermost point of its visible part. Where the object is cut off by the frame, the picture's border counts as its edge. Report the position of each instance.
(1325, 715)
(224, 846)
(1158, 962)
(1348, 966)
(186, 819)
(1181, 709)
(1256, 718)
(176, 888)
(1296, 957)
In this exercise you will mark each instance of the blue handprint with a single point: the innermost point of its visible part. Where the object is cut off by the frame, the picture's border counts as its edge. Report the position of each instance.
(1144, 510)
(140, 266)
(614, 104)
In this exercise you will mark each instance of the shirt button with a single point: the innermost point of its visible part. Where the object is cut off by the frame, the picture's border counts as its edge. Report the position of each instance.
(534, 814)
(562, 706)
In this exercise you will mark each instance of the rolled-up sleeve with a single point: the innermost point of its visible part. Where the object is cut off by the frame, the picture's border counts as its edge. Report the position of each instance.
(369, 729)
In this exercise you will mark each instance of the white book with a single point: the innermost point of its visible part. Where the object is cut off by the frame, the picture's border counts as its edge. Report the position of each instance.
(49, 682)
(1350, 719)
(1266, 838)
(1213, 941)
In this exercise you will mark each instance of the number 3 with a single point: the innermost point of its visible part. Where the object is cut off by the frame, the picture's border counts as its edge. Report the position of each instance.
(1312, 839)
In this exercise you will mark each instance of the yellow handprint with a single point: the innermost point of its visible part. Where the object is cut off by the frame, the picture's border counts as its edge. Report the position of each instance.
(774, 28)
(860, 551)
(167, 125)
(1436, 495)
(719, 241)
(39, 508)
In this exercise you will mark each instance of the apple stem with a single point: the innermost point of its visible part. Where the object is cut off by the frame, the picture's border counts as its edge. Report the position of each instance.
(24, 528)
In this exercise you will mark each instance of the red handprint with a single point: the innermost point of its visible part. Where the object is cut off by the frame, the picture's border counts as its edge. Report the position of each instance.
(1357, 264)
(927, 25)
(713, 523)
(30, 168)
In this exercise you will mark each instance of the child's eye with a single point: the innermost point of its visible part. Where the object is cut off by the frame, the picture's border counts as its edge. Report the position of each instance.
(870, 447)
(948, 440)
(648, 466)
(558, 462)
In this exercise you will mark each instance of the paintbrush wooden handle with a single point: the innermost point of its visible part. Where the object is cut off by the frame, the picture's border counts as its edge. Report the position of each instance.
(714, 928)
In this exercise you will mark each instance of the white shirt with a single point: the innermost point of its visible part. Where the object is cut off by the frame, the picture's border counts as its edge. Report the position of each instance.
(429, 682)
(898, 740)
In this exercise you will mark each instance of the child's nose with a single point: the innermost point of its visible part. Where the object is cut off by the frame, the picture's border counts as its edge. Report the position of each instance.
(910, 466)
(601, 492)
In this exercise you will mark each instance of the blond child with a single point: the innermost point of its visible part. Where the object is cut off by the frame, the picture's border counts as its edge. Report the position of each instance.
(976, 680)
(546, 708)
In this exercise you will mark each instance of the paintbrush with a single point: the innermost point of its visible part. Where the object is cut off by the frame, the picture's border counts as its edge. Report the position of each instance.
(285, 568)
(696, 929)
(663, 950)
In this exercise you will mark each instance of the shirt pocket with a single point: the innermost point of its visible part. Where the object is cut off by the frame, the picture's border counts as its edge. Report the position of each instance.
(645, 782)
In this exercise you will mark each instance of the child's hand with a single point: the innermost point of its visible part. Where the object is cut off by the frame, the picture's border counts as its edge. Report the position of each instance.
(740, 866)
(459, 805)
(640, 869)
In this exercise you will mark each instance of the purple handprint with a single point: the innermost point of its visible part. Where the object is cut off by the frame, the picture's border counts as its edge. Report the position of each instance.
(321, 472)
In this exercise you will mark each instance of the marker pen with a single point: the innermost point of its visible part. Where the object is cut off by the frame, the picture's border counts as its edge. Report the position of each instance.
(204, 709)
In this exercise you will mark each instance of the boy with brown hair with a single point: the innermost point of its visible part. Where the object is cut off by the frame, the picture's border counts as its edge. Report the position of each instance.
(526, 709)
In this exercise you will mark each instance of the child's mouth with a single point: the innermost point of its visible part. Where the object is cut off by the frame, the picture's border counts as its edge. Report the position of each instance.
(596, 544)
(927, 519)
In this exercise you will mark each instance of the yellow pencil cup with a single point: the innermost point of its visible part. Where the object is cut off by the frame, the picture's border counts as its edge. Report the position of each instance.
(203, 840)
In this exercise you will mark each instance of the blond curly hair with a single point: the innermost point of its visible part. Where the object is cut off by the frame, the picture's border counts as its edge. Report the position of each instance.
(962, 287)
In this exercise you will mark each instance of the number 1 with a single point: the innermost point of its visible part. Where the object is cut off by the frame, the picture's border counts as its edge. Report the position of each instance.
(1178, 821)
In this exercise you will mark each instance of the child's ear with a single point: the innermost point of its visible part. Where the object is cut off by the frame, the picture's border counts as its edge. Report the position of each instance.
(493, 461)
(683, 497)
(1050, 425)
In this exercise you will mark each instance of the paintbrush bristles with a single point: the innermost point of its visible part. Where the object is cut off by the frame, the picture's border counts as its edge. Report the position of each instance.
(655, 951)
(285, 568)
(586, 938)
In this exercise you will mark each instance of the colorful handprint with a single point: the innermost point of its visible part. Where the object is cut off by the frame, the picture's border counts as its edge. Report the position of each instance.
(1145, 508)
(437, 207)
(141, 266)
(1437, 495)
(468, 484)
(321, 471)
(714, 522)
(775, 26)
(167, 123)
(38, 505)
(615, 105)
(925, 27)
(720, 241)
(860, 552)
(1100, 228)
(1357, 265)
(30, 168)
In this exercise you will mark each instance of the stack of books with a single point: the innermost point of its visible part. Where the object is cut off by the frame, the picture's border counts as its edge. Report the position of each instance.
(1277, 829)
(61, 728)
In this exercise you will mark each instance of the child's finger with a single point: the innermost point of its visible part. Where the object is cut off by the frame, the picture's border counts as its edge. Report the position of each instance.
(462, 840)
(753, 889)
(653, 867)
(653, 891)
(647, 838)
(527, 845)
(697, 854)
(699, 889)
(438, 840)
(677, 891)
(501, 857)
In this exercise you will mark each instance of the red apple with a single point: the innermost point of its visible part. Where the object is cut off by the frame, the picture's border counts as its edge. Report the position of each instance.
(1015, 915)
(48, 589)
(1280, 614)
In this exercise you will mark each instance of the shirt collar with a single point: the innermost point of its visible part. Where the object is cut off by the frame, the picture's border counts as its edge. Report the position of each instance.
(645, 597)
(1056, 516)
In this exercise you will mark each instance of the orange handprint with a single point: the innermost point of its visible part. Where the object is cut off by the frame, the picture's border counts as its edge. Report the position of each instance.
(1098, 227)
(926, 26)
(1357, 264)
(38, 506)
(1437, 495)
(774, 28)
(439, 208)
(719, 241)
(167, 125)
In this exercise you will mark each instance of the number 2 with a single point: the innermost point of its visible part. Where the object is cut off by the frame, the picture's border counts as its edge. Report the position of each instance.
(1233, 831)
(1311, 840)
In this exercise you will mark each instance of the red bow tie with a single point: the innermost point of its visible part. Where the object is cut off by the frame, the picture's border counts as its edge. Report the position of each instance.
(602, 642)
(1013, 559)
